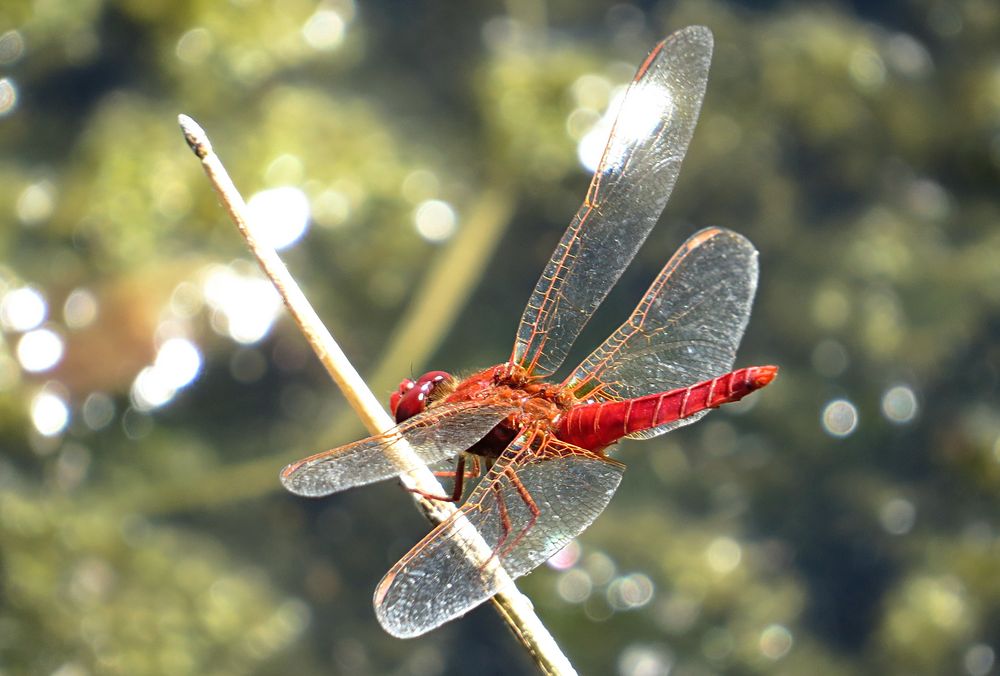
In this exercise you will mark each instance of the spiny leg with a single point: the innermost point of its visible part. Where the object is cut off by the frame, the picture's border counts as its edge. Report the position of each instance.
(529, 502)
(504, 522)
(458, 475)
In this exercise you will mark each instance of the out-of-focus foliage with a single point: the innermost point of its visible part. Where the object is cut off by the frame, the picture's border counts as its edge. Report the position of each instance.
(845, 520)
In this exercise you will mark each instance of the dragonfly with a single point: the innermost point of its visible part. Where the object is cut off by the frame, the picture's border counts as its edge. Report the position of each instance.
(545, 444)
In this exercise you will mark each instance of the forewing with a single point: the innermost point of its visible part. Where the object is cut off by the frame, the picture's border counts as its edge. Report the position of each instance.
(626, 197)
(686, 328)
(436, 582)
(434, 435)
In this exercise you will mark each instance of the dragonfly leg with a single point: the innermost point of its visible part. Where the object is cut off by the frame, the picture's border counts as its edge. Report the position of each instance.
(504, 524)
(532, 507)
(458, 475)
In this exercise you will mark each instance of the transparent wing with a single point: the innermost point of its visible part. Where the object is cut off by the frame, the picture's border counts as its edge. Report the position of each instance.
(686, 328)
(436, 434)
(435, 582)
(626, 197)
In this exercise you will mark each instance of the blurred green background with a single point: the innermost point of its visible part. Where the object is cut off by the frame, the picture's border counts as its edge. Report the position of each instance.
(422, 162)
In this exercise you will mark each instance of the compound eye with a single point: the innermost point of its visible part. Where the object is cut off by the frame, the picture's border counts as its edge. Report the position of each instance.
(416, 398)
(405, 386)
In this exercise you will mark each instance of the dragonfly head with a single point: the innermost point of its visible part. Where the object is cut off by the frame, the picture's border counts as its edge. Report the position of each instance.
(414, 396)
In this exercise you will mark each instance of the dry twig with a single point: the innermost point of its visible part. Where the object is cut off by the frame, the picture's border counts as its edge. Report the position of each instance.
(515, 608)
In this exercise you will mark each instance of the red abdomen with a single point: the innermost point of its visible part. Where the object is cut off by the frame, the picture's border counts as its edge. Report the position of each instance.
(598, 425)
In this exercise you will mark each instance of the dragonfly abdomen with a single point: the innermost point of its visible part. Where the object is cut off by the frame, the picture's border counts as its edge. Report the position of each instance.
(598, 425)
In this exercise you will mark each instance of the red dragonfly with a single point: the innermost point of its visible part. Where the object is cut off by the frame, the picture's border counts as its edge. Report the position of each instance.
(549, 476)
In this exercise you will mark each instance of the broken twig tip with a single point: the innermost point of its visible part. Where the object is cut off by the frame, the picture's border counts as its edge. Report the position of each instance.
(195, 136)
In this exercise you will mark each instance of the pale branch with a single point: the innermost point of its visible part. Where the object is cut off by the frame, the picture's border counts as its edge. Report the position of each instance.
(514, 607)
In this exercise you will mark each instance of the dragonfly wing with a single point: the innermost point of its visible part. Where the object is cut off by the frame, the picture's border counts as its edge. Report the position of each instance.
(626, 197)
(436, 434)
(686, 328)
(436, 582)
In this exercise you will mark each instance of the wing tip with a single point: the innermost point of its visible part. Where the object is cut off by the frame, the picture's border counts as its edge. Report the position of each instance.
(697, 33)
(392, 622)
(299, 485)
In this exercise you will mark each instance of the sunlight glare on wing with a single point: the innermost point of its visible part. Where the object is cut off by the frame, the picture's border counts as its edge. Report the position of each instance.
(244, 306)
(649, 107)
(279, 217)
(591, 147)
(22, 309)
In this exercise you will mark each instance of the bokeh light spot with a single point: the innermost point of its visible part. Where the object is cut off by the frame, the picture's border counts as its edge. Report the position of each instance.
(23, 309)
(831, 307)
(630, 591)
(150, 390)
(435, 220)
(592, 91)
(899, 404)
(11, 47)
(39, 350)
(645, 660)
(36, 203)
(49, 413)
(566, 557)
(331, 208)
(420, 185)
(98, 410)
(775, 642)
(286, 169)
(908, 55)
(723, 555)
(279, 216)
(839, 418)
(867, 69)
(678, 613)
(80, 309)
(898, 516)
(324, 30)
(829, 358)
(178, 362)
(979, 659)
(245, 306)
(575, 586)
(600, 566)
(195, 46)
(8, 96)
